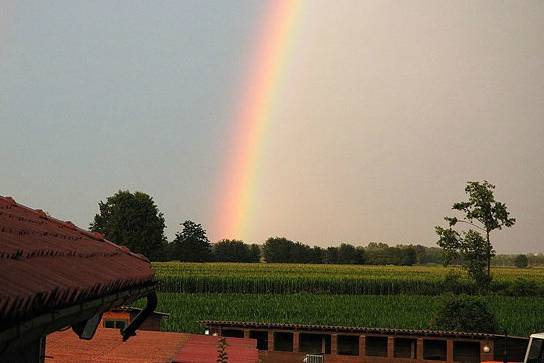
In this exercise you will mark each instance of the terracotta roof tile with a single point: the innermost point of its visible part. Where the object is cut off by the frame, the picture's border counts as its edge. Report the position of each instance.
(146, 347)
(203, 349)
(107, 346)
(48, 264)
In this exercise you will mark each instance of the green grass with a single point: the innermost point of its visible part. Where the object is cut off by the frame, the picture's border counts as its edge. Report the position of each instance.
(520, 315)
(264, 278)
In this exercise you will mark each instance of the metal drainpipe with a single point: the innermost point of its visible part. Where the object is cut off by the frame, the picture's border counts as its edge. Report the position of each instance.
(140, 318)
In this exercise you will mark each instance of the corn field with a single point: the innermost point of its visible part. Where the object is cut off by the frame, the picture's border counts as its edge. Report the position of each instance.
(349, 295)
(337, 279)
(520, 316)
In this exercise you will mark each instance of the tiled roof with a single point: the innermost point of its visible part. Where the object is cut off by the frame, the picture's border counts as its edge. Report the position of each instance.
(48, 264)
(107, 346)
(345, 329)
(203, 349)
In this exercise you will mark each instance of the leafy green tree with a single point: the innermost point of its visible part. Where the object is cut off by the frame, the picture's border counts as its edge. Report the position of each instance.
(300, 253)
(231, 251)
(483, 213)
(191, 244)
(132, 220)
(348, 254)
(521, 261)
(254, 253)
(277, 249)
(318, 255)
(408, 256)
(463, 313)
(331, 255)
(382, 254)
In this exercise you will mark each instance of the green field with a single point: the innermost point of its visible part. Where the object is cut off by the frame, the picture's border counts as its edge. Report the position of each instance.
(260, 278)
(520, 316)
(367, 296)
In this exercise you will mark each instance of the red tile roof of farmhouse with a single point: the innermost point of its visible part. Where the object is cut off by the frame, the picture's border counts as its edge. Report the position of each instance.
(48, 264)
(107, 346)
(203, 349)
(146, 347)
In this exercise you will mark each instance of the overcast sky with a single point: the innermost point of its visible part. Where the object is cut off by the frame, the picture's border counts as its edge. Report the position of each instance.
(388, 108)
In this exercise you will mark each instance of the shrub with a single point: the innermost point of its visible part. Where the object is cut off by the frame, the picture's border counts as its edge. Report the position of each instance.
(523, 287)
(521, 261)
(452, 281)
(464, 313)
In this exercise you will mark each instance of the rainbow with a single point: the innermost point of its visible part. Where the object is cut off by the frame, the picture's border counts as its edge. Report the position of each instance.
(252, 117)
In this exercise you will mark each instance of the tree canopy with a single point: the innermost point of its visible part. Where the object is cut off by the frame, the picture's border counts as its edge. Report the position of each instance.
(483, 213)
(465, 313)
(192, 244)
(521, 261)
(132, 220)
(235, 251)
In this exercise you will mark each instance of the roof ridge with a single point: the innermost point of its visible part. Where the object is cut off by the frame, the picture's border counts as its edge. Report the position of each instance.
(70, 225)
(341, 327)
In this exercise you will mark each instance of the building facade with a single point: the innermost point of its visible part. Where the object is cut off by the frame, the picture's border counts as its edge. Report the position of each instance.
(290, 343)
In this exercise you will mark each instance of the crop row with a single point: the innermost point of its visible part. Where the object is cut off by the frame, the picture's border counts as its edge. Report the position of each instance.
(520, 316)
(336, 279)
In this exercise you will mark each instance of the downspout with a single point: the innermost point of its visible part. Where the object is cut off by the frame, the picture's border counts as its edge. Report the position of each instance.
(142, 315)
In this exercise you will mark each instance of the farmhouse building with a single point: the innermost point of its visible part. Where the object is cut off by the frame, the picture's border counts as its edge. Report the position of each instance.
(55, 275)
(61, 292)
(290, 343)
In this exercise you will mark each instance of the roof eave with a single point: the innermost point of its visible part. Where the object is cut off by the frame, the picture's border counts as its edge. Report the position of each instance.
(30, 330)
(348, 329)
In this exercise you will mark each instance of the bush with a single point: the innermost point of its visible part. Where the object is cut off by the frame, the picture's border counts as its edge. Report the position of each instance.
(452, 282)
(523, 287)
(521, 261)
(464, 313)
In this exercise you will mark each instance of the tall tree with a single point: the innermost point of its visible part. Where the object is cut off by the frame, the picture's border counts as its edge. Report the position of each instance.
(132, 220)
(348, 254)
(481, 212)
(254, 253)
(521, 261)
(278, 250)
(231, 251)
(191, 244)
(408, 255)
(331, 255)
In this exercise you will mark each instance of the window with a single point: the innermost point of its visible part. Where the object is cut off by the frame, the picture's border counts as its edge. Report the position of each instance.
(283, 342)
(406, 348)
(376, 346)
(466, 352)
(232, 333)
(315, 343)
(262, 338)
(348, 344)
(435, 349)
(115, 324)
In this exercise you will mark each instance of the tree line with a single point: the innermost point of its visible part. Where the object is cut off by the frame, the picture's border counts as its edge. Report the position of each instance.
(134, 220)
(282, 250)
